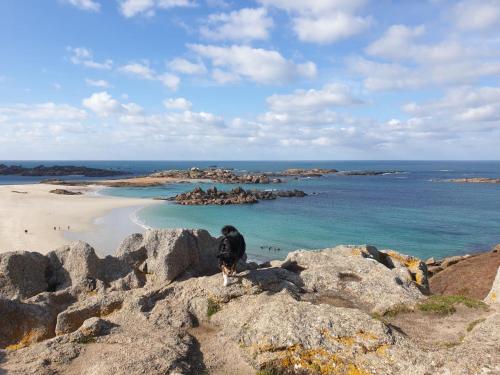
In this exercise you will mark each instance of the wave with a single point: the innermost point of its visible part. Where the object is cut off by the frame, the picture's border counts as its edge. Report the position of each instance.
(136, 220)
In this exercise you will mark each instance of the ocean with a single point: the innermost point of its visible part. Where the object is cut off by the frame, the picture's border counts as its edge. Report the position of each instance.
(411, 211)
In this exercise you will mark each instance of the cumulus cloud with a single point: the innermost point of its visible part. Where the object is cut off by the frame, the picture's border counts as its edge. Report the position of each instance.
(477, 108)
(97, 83)
(131, 8)
(324, 21)
(142, 70)
(177, 103)
(89, 5)
(184, 66)
(408, 63)
(331, 95)
(83, 56)
(398, 42)
(472, 15)
(245, 24)
(255, 64)
(104, 105)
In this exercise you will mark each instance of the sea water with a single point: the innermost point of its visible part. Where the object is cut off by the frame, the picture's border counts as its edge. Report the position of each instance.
(412, 211)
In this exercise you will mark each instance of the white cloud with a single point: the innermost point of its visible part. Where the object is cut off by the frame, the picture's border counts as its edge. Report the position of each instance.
(187, 67)
(83, 56)
(89, 5)
(144, 71)
(330, 28)
(131, 8)
(324, 21)
(465, 105)
(398, 43)
(255, 64)
(56, 85)
(331, 95)
(102, 104)
(477, 14)
(97, 83)
(170, 81)
(43, 111)
(245, 24)
(178, 103)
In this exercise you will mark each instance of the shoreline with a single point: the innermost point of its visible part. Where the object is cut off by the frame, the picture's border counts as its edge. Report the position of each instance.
(46, 217)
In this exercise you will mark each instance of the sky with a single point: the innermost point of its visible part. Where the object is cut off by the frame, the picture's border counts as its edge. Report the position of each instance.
(249, 80)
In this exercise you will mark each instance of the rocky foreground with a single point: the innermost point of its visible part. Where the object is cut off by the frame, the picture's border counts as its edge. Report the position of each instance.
(158, 307)
(198, 196)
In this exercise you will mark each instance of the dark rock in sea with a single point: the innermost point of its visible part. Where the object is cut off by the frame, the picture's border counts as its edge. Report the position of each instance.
(58, 170)
(65, 192)
(366, 173)
(235, 196)
(299, 172)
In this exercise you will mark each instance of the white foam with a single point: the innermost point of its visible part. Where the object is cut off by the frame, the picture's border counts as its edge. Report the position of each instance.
(135, 219)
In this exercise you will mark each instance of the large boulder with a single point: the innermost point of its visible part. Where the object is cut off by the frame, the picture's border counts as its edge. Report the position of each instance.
(22, 274)
(73, 265)
(24, 323)
(77, 265)
(354, 274)
(172, 252)
(132, 250)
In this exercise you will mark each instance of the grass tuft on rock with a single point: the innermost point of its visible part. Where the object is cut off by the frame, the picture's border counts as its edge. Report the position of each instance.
(445, 305)
(212, 307)
(471, 325)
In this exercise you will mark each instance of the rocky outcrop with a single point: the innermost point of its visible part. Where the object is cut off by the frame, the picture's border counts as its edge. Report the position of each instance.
(317, 312)
(224, 176)
(65, 192)
(300, 172)
(235, 196)
(356, 275)
(58, 170)
(469, 275)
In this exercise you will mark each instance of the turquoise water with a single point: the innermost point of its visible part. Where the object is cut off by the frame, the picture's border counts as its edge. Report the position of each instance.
(409, 212)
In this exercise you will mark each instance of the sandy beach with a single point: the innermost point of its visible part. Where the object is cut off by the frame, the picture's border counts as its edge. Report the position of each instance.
(35, 209)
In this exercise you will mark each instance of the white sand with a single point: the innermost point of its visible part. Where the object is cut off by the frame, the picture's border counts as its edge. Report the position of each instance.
(39, 211)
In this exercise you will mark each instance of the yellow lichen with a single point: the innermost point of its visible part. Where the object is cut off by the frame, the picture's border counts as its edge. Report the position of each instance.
(381, 350)
(318, 361)
(27, 339)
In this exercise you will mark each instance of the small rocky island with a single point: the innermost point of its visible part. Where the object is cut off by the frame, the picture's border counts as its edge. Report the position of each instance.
(235, 196)
(475, 180)
(158, 306)
(220, 175)
(58, 170)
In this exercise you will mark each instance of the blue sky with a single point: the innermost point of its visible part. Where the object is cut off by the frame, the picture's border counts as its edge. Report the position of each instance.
(264, 79)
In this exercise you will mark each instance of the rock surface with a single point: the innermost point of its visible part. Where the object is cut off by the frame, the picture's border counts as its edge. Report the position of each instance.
(22, 274)
(235, 196)
(317, 312)
(468, 275)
